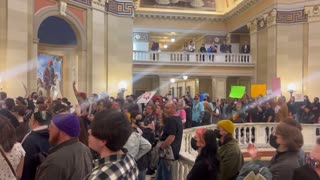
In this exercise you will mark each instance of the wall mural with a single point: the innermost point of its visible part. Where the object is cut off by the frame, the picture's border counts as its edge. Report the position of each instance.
(179, 4)
(49, 75)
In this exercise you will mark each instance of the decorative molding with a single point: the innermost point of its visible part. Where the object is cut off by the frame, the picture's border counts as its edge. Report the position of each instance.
(290, 17)
(124, 8)
(242, 7)
(313, 12)
(253, 25)
(188, 17)
(140, 37)
(85, 2)
(272, 18)
(98, 4)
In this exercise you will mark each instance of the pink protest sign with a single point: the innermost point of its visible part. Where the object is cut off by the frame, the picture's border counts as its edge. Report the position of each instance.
(276, 86)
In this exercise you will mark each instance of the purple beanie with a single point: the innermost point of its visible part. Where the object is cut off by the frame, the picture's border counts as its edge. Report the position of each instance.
(67, 123)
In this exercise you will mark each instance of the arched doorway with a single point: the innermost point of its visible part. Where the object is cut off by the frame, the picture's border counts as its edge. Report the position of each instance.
(61, 44)
(57, 45)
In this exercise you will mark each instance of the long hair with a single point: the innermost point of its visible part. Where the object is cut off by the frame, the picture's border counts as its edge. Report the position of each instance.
(291, 134)
(7, 134)
(209, 152)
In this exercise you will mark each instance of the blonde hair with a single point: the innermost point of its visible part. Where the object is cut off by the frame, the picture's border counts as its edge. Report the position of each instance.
(207, 106)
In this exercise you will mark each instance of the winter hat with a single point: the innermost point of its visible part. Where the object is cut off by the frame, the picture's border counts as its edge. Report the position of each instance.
(67, 123)
(227, 125)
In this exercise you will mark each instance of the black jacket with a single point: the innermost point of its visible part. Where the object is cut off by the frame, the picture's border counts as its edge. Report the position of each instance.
(305, 172)
(36, 145)
(200, 170)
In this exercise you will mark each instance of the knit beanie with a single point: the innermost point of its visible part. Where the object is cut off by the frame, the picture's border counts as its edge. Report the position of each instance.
(227, 125)
(67, 123)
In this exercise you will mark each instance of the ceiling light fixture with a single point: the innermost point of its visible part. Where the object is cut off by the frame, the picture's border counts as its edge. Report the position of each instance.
(185, 77)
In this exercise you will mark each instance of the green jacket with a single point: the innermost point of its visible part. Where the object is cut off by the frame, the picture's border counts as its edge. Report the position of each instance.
(231, 160)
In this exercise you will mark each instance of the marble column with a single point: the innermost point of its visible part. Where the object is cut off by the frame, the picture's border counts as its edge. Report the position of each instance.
(164, 85)
(119, 52)
(271, 47)
(17, 48)
(3, 39)
(98, 35)
(219, 87)
(313, 64)
(254, 46)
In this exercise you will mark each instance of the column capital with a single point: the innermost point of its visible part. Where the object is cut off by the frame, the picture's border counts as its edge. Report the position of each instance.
(313, 12)
(253, 25)
(271, 17)
(99, 4)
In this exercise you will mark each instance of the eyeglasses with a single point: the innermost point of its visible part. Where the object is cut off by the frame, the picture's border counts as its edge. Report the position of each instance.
(313, 163)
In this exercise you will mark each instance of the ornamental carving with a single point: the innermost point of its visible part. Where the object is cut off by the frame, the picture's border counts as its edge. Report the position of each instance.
(99, 4)
(253, 25)
(313, 12)
(272, 17)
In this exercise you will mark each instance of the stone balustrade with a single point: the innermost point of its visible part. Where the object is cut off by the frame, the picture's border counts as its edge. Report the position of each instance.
(231, 58)
(245, 133)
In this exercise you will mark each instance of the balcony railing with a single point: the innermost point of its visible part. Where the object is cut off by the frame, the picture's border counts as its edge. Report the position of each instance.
(246, 133)
(153, 56)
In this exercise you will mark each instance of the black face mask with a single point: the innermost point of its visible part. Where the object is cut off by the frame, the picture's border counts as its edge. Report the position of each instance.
(194, 144)
(217, 133)
(273, 141)
(139, 121)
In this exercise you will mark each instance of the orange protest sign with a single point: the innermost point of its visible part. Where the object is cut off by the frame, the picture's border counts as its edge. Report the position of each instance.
(258, 89)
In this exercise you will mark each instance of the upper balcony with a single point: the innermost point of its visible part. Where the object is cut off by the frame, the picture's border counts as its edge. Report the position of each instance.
(195, 63)
(196, 57)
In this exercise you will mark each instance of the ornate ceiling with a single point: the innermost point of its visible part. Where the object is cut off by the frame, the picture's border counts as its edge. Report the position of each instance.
(207, 5)
(213, 10)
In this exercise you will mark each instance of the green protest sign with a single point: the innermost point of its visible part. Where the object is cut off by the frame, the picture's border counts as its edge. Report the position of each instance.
(237, 91)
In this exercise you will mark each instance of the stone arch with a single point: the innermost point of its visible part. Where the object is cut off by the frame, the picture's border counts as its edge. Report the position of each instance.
(74, 22)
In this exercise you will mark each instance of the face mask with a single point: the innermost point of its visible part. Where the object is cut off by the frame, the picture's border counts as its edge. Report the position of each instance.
(273, 141)
(138, 122)
(217, 133)
(312, 162)
(194, 144)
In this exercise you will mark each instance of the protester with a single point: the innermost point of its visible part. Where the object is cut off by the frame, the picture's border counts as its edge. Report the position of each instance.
(109, 132)
(170, 142)
(206, 165)
(311, 170)
(230, 156)
(36, 143)
(12, 153)
(69, 158)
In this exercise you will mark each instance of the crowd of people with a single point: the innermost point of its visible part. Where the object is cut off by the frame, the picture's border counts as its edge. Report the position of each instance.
(102, 137)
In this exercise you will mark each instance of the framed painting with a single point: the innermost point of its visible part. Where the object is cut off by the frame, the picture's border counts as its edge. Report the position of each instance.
(49, 75)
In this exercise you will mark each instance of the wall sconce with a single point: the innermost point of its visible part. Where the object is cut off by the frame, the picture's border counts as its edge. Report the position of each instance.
(172, 80)
(185, 77)
(122, 85)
